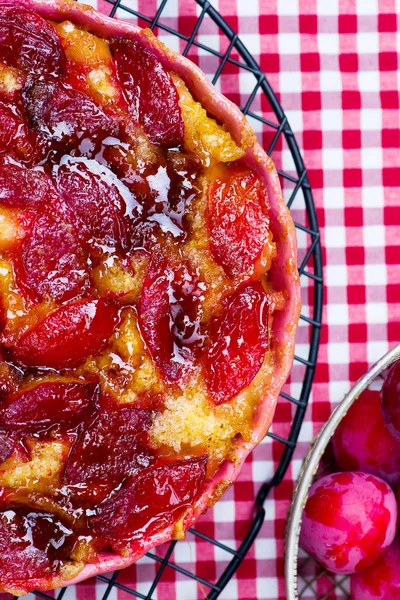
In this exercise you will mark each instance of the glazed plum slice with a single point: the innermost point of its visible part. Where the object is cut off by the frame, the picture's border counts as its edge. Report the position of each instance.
(238, 340)
(349, 520)
(49, 405)
(15, 138)
(68, 335)
(238, 218)
(65, 117)
(150, 501)
(151, 94)
(21, 187)
(106, 209)
(169, 316)
(113, 447)
(381, 581)
(51, 262)
(6, 447)
(3, 322)
(28, 42)
(32, 544)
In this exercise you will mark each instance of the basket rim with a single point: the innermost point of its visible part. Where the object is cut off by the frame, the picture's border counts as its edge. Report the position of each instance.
(310, 466)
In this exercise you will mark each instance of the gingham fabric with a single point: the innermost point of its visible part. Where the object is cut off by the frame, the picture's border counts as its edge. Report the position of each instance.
(334, 66)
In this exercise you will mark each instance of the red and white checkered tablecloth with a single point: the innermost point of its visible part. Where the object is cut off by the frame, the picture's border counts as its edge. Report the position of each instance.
(334, 65)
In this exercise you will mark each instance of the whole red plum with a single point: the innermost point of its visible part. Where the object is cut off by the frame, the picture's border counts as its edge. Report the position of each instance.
(349, 520)
(381, 580)
(390, 398)
(362, 441)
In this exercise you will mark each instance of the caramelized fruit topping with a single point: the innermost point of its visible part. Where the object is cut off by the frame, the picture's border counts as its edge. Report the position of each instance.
(32, 545)
(107, 234)
(65, 117)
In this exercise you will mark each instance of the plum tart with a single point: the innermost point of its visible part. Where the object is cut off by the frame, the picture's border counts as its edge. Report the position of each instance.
(149, 294)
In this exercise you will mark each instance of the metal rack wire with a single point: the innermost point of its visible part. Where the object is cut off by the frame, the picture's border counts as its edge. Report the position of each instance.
(274, 131)
(315, 582)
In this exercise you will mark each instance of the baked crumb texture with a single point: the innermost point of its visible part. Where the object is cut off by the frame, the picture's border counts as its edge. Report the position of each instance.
(135, 307)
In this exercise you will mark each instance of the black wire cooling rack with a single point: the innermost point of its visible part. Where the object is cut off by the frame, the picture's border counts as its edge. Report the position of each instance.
(316, 583)
(274, 132)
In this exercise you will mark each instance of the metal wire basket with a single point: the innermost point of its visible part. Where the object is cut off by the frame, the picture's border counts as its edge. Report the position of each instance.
(194, 36)
(305, 579)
